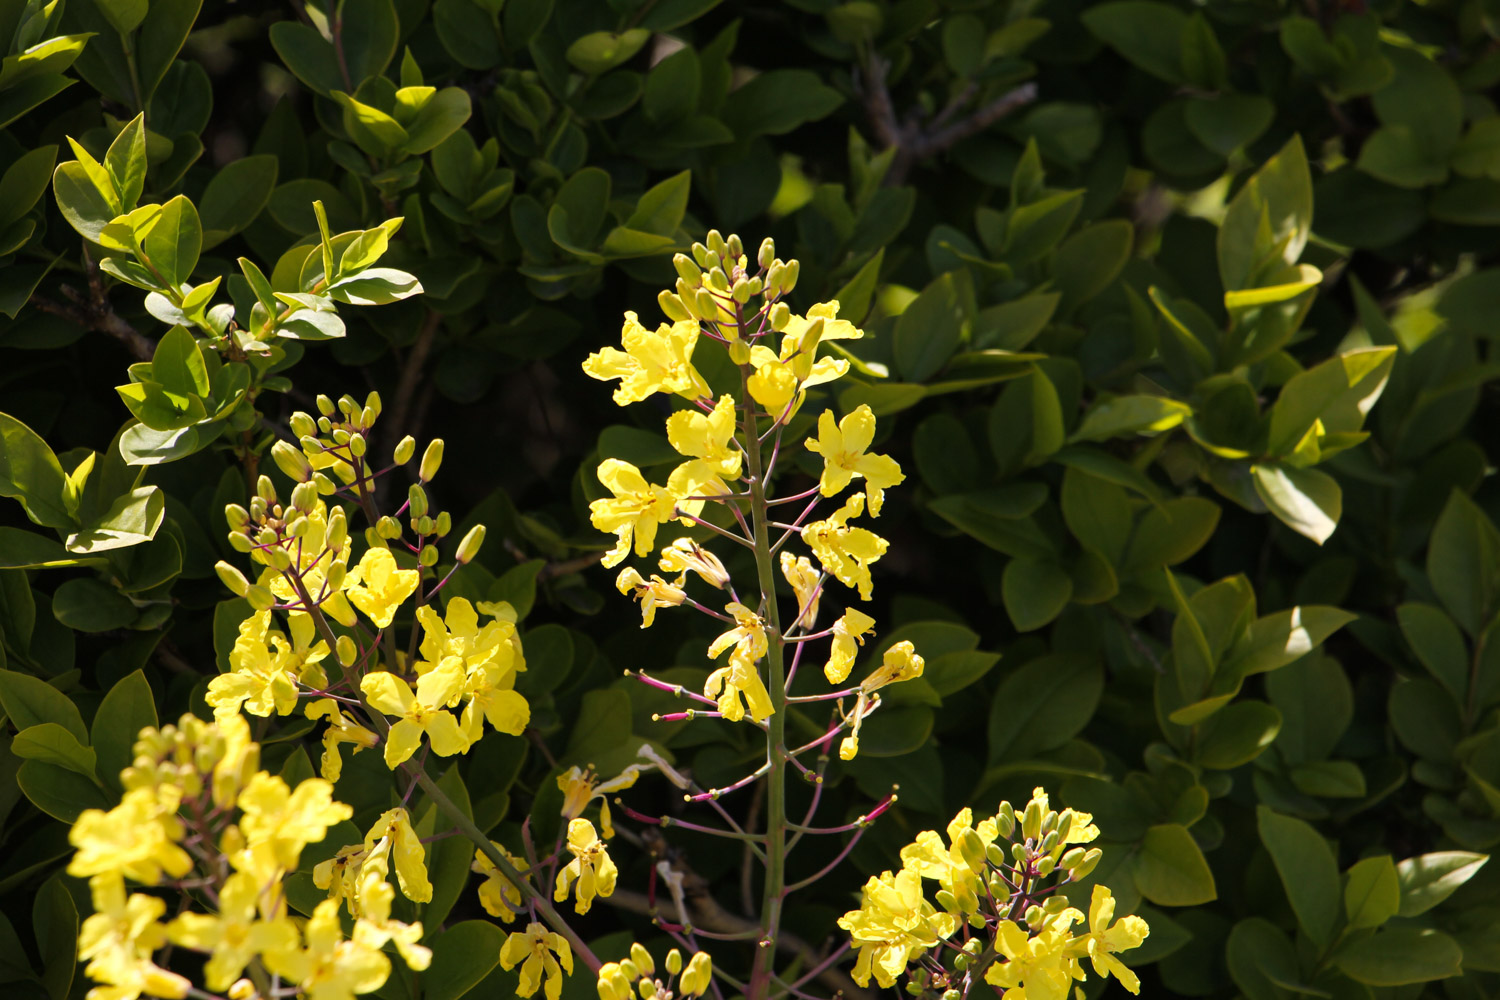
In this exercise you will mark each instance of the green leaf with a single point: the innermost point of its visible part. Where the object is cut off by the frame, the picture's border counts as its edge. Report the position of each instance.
(236, 195)
(1463, 563)
(126, 162)
(87, 605)
(1043, 704)
(672, 87)
(1305, 500)
(1275, 640)
(30, 473)
(1012, 325)
(1338, 393)
(1087, 262)
(601, 51)
(932, 327)
(1035, 592)
(28, 550)
(1428, 879)
(1099, 513)
(1308, 871)
(1398, 155)
(128, 708)
(1372, 893)
(660, 209)
(1170, 532)
(53, 744)
(1269, 219)
(462, 956)
(1170, 870)
(603, 725)
(1438, 644)
(1121, 416)
(24, 182)
(30, 701)
(1400, 956)
(1228, 122)
(178, 364)
(1033, 229)
(442, 116)
(375, 286)
(59, 792)
(1147, 33)
(130, 520)
(54, 917)
(174, 243)
(1237, 734)
(777, 101)
(1260, 958)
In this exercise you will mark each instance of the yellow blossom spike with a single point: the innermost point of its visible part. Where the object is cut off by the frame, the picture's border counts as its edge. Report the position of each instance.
(843, 447)
(659, 361)
(378, 587)
(118, 939)
(894, 926)
(1104, 940)
(742, 677)
(708, 436)
(901, 663)
(393, 833)
(634, 512)
(330, 966)
(341, 729)
(419, 712)
(236, 934)
(695, 978)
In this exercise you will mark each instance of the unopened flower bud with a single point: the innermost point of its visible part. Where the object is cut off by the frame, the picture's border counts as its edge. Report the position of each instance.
(259, 597)
(336, 574)
(348, 652)
(373, 407)
(741, 291)
(325, 405)
(469, 547)
(416, 499)
(716, 244)
(780, 315)
(999, 888)
(302, 424)
(443, 524)
(1018, 853)
(705, 306)
(340, 436)
(429, 557)
(311, 445)
(1072, 859)
(646, 989)
(304, 496)
(325, 425)
(734, 246)
(348, 405)
(1005, 819)
(424, 525)
(278, 558)
(1049, 822)
(267, 536)
(773, 279)
(695, 977)
(995, 855)
(672, 307)
(388, 527)
(405, 449)
(233, 578)
(1044, 867)
(790, 275)
(946, 900)
(1088, 864)
(1031, 821)
(1055, 905)
(240, 542)
(338, 530)
(689, 271)
(237, 516)
(952, 994)
(971, 848)
(638, 954)
(357, 445)
(1049, 841)
(326, 487)
(265, 489)
(629, 969)
(1034, 916)
(718, 281)
(767, 253)
(432, 460)
(674, 961)
(701, 255)
(961, 962)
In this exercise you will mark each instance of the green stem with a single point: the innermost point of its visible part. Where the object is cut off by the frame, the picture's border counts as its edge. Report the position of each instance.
(776, 821)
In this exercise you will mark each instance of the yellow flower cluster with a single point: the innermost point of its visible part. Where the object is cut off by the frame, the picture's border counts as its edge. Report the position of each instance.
(197, 810)
(636, 976)
(720, 297)
(1026, 947)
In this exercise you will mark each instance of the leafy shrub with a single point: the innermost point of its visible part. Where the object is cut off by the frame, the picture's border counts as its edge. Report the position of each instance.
(1175, 318)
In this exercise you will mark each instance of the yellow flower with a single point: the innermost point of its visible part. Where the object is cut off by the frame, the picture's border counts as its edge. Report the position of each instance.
(331, 968)
(901, 663)
(894, 926)
(707, 437)
(117, 942)
(303, 656)
(833, 328)
(1037, 967)
(1104, 940)
(259, 680)
(848, 635)
(580, 786)
(654, 593)
(741, 678)
(799, 572)
(634, 512)
(591, 867)
(279, 822)
(491, 695)
(419, 713)
(780, 377)
(137, 838)
(536, 946)
(660, 361)
(377, 587)
(340, 875)
(237, 933)
(685, 554)
(959, 867)
(844, 551)
(314, 561)
(374, 927)
(393, 832)
(498, 894)
(843, 449)
(461, 636)
(696, 976)
(341, 729)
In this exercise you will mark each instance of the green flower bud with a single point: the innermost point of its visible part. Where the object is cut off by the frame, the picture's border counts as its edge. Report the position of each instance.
(995, 855)
(373, 407)
(1044, 867)
(977, 921)
(789, 278)
(302, 424)
(326, 487)
(336, 574)
(311, 445)
(1005, 818)
(946, 900)
(1055, 905)
(424, 525)
(716, 244)
(971, 848)
(734, 246)
(267, 536)
(443, 524)
(348, 405)
(780, 315)
(373, 539)
(756, 286)
(233, 578)
(914, 988)
(705, 306)
(344, 471)
(1088, 864)
(304, 496)
(672, 307)
(240, 542)
(429, 557)
(347, 651)
(701, 255)
(388, 527)
(325, 426)
(638, 954)
(674, 961)
(1031, 821)
(689, 271)
(741, 291)
(629, 968)
(338, 530)
(259, 597)
(1050, 841)
(469, 547)
(416, 498)
(1018, 853)
(999, 888)
(237, 516)
(767, 253)
(1049, 822)
(265, 489)
(1034, 916)
(961, 962)
(325, 405)
(357, 445)
(297, 527)
(718, 280)
(1072, 859)
(278, 558)
(432, 460)
(405, 449)
(340, 435)
(773, 279)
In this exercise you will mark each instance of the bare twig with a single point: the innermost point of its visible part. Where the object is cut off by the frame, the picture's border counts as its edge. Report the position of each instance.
(94, 312)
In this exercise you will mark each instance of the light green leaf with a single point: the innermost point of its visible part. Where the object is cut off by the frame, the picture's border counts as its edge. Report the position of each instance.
(30, 473)
(1305, 500)
(30, 701)
(1308, 871)
(1428, 879)
(50, 742)
(1170, 869)
(1372, 894)
(174, 243)
(131, 519)
(1121, 416)
(1400, 956)
(1035, 592)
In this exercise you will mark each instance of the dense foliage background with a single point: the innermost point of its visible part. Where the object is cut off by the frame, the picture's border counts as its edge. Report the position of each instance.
(1103, 351)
